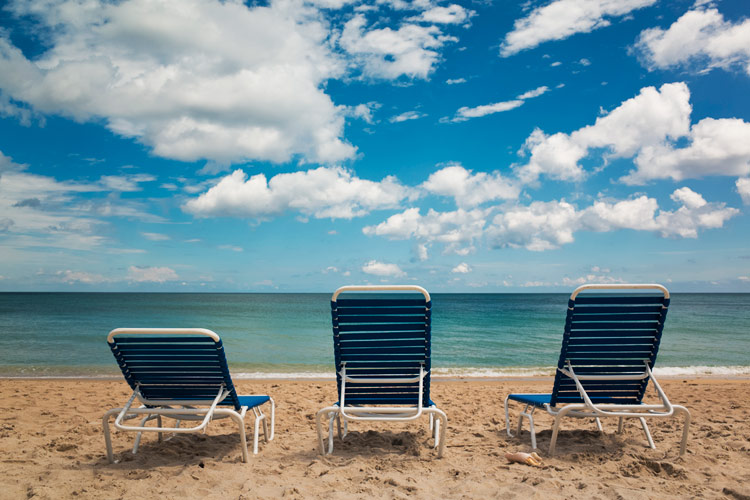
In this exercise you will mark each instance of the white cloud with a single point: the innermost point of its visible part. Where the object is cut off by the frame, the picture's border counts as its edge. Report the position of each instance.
(151, 274)
(453, 14)
(464, 113)
(743, 188)
(155, 236)
(411, 50)
(408, 115)
(591, 278)
(533, 93)
(537, 227)
(561, 19)
(548, 225)
(364, 111)
(71, 277)
(462, 268)
(325, 192)
(189, 78)
(382, 269)
(716, 147)
(648, 119)
(232, 248)
(470, 189)
(125, 183)
(455, 81)
(457, 230)
(700, 38)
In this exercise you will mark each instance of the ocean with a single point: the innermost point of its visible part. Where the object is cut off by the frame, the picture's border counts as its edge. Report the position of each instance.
(289, 335)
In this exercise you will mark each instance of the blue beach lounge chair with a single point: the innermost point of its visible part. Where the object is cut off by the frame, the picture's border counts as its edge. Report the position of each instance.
(171, 372)
(381, 343)
(608, 351)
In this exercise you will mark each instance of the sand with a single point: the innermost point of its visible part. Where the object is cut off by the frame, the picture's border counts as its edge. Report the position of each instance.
(52, 446)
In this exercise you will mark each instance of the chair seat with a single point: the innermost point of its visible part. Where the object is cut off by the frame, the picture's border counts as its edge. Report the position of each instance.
(538, 400)
(253, 401)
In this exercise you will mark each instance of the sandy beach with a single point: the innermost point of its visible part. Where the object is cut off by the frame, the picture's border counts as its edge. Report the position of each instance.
(52, 447)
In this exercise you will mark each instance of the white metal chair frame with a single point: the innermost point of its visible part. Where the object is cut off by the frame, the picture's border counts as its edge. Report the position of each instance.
(588, 409)
(156, 409)
(438, 418)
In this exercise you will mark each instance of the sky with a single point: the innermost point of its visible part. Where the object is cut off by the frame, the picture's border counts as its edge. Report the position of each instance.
(297, 146)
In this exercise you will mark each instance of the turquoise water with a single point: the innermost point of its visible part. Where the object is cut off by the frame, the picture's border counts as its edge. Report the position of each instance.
(64, 334)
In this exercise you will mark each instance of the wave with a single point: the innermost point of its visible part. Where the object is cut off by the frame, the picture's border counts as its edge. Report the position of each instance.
(512, 372)
(327, 374)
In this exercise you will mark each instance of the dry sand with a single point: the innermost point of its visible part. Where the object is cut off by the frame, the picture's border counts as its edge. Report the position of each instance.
(52, 447)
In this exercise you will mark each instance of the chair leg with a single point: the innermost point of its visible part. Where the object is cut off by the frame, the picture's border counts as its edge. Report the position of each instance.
(685, 427)
(441, 423)
(338, 427)
(556, 428)
(107, 437)
(273, 418)
(529, 415)
(329, 412)
(532, 431)
(243, 438)
(599, 425)
(265, 426)
(256, 430)
(620, 425)
(321, 446)
(507, 419)
(331, 418)
(140, 434)
(647, 433)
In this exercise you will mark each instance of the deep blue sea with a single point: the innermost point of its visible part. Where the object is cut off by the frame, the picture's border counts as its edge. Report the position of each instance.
(289, 335)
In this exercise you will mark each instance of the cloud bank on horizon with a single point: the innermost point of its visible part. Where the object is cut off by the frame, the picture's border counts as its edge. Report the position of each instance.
(373, 141)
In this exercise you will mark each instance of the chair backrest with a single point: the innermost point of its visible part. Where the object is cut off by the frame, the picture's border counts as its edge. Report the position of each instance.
(610, 333)
(382, 332)
(173, 364)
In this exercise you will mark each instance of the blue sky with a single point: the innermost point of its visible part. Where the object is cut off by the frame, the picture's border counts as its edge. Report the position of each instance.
(198, 145)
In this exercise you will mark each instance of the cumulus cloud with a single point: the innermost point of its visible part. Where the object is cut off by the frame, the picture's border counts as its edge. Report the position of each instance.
(385, 53)
(716, 147)
(462, 268)
(743, 188)
(452, 14)
(537, 227)
(541, 226)
(457, 230)
(648, 119)
(470, 189)
(151, 274)
(700, 38)
(548, 225)
(198, 79)
(378, 268)
(561, 19)
(464, 113)
(325, 192)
